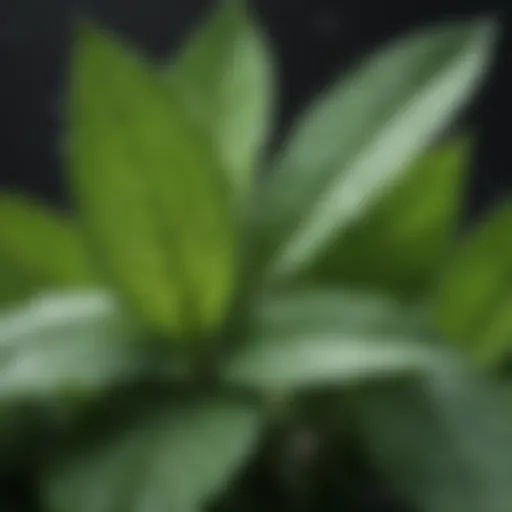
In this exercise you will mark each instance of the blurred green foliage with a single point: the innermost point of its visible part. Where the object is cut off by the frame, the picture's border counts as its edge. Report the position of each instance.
(191, 332)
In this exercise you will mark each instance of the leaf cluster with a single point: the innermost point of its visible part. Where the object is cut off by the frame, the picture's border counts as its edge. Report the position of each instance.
(150, 342)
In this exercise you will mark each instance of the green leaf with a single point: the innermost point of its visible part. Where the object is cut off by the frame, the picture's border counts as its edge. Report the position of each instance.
(495, 338)
(38, 248)
(15, 285)
(317, 339)
(150, 193)
(412, 226)
(224, 75)
(472, 305)
(68, 344)
(361, 137)
(443, 445)
(176, 458)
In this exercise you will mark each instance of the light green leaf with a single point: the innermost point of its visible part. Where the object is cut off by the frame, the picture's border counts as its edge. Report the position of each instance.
(412, 227)
(473, 303)
(317, 339)
(68, 344)
(443, 445)
(150, 193)
(38, 248)
(175, 459)
(362, 136)
(224, 75)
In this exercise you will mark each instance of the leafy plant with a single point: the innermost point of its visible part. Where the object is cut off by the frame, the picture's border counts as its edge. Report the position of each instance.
(188, 311)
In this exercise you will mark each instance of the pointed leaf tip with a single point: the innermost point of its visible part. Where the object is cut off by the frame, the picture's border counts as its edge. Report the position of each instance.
(396, 105)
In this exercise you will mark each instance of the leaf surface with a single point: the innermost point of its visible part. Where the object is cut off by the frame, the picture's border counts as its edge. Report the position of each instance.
(443, 444)
(399, 245)
(150, 191)
(174, 458)
(472, 305)
(360, 137)
(65, 344)
(39, 248)
(225, 76)
(314, 339)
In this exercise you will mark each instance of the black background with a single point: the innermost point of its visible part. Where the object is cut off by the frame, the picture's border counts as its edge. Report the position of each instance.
(314, 40)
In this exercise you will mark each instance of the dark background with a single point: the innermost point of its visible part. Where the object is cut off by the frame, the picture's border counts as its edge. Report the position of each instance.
(314, 40)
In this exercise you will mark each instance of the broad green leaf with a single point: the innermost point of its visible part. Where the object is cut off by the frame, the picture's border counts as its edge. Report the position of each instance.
(224, 75)
(38, 248)
(317, 339)
(334, 309)
(150, 193)
(443, 445)
(400, 243)
(65, 344)
(473, 303)
(176, 458)
(362, 135)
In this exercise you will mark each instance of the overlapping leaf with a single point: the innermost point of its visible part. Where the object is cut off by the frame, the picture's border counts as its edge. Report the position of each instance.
(38, 248)
(361, 136)
(156, 161)
(444, 444)
(472, 305)
(68, 344)
(176, 458)
(150, 191)
(224, 76)
(399, 244)
(315, 339)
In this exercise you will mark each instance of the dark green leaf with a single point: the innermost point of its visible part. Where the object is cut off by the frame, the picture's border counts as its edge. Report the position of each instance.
(151, 195)
(174, 459)
(473, 303)
(362, 135)
(66, 344)
(316, 339)
(399, 244)
(15, 284)
(495, 338)
(443, 445)
(38, 248)
(224, 76)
